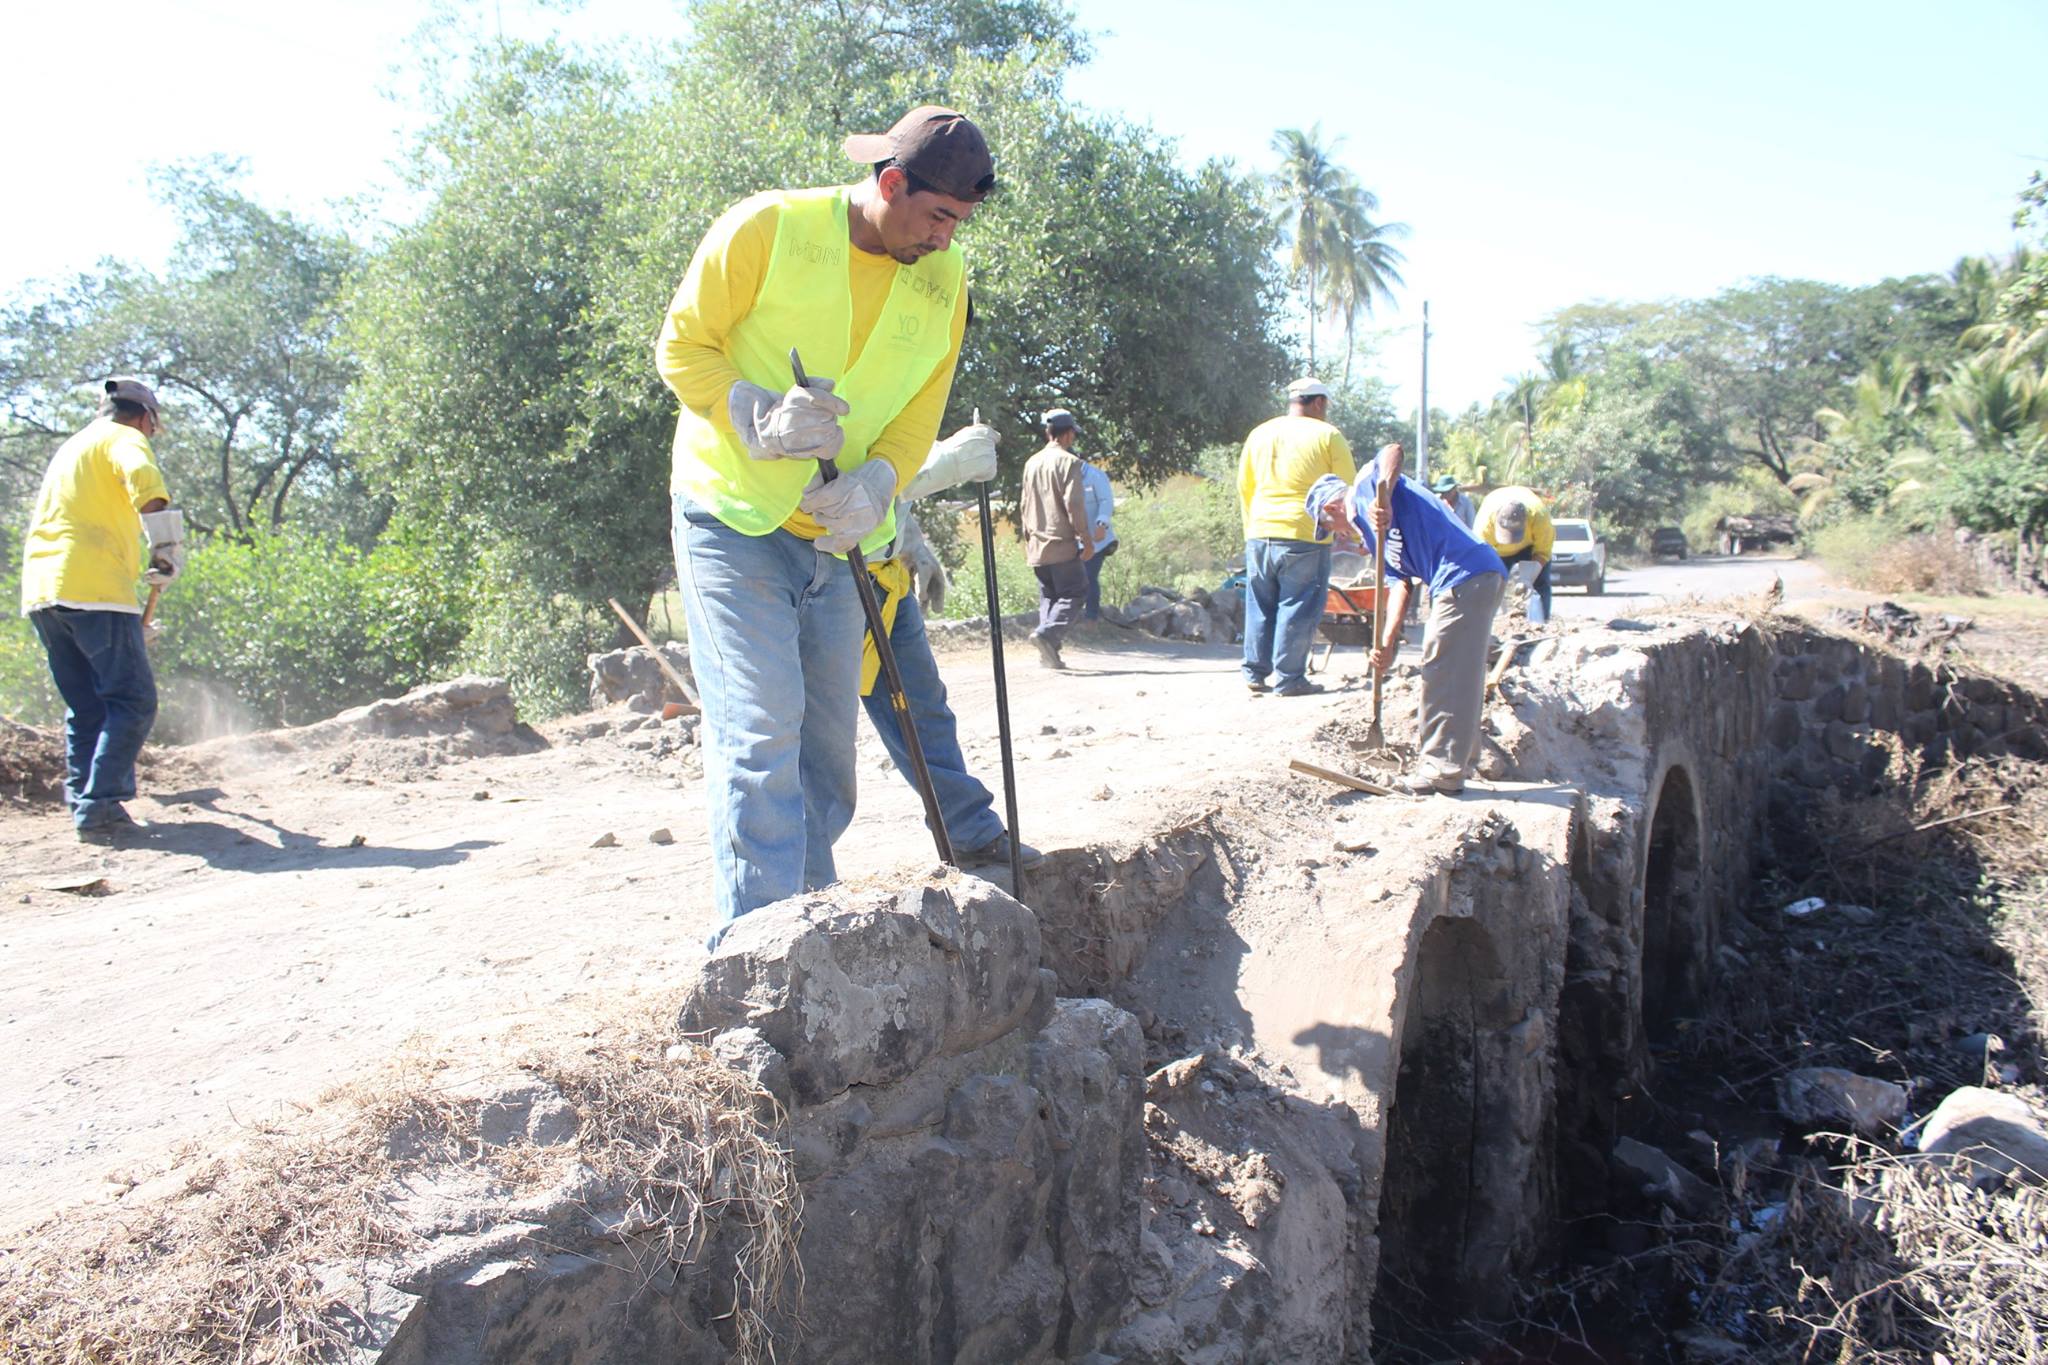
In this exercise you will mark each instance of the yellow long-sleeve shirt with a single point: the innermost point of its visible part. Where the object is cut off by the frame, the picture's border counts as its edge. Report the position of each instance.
(1537, 532)
(1281, 459)
(84, 543)
(719, 288)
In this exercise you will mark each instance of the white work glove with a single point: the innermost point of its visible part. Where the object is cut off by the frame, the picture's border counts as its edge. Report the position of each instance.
(802, 424)
(927, 575)
(851, 505)
(166, 532)
(1522, 574)
(967, 456)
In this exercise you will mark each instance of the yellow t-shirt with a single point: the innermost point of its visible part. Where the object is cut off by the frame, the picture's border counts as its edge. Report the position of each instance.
(1537, 532)
(1281, 459)
(84, 544)
(722, 283)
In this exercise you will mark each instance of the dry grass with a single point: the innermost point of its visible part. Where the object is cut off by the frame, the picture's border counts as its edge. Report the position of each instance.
(265, 1255)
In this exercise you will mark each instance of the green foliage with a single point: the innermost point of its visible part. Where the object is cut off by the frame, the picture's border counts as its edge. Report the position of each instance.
(1752, 492)
(1016, 585)
(539, 642)
(1183, 535)
(26, 692)
(236, 337)
(295, 625)
(1631, 452)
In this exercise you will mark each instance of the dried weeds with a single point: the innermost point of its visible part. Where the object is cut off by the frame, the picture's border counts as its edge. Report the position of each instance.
(266, 1252)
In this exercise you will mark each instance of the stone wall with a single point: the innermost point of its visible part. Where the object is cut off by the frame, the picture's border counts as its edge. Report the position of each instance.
(1843, 707)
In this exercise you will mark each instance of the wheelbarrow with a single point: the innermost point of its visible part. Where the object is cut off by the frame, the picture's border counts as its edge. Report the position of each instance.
(1347, 618)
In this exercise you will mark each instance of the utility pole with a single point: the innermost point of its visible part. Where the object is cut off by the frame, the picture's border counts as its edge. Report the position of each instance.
(1422, 412)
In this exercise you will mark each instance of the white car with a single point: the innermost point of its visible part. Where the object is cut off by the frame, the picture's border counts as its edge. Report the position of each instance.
(1579, 559)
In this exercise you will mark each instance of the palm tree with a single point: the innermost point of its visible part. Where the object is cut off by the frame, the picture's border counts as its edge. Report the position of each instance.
(1363, 264)
(1995, 400)
(1315, 194)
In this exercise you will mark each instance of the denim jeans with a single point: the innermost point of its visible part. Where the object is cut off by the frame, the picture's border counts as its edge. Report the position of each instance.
(964, 803)
(775, 632)
(1286, 583)
(1092, 608)
(102, 671)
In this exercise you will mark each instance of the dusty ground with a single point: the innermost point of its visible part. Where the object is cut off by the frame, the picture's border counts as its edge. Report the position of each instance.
(253, 952)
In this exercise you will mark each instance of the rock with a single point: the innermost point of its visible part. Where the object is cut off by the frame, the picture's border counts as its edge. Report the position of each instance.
(1855, 914)
(606, 840)
(1828, 1096)
(533, 1113)
(633, 677)
(1103, 793)
(1653, 1174)
(661, 836)
(1990, 1134)
(750, 1054)
(1704, 1346)
(1979, 1048)
(479, 796)
(864, 993)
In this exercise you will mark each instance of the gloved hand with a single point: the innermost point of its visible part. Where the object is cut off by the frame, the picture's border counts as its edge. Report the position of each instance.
(967, 456)
(851, 505)
(802, 424)
(166, 532)
(1522, 574)
(927, 575)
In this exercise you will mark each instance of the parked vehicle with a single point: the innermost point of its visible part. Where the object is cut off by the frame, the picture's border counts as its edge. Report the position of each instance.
(1668, 542)
(1579, 559)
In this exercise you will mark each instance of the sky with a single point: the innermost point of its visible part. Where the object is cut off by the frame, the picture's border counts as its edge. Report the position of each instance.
(1540, 155)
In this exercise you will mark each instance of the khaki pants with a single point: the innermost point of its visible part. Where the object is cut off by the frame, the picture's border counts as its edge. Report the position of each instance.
(1454, 643)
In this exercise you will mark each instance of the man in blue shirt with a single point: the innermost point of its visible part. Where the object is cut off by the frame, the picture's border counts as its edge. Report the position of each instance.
(1425, 543)
(1101, 502)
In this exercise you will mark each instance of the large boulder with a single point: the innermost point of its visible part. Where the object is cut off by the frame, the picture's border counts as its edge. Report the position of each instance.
(863, 991)
(1990, 1133)
(968, 1145)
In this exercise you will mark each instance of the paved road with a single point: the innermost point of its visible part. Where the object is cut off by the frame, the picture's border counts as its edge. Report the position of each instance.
(1704, 577)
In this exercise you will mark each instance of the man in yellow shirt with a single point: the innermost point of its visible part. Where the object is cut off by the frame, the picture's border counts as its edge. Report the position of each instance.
(865, 283)
(101, 494)
(1286, 556)
(1516, 523)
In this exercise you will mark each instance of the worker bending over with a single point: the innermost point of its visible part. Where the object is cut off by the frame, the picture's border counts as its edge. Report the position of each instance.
(1515, 522)
(1425, 542)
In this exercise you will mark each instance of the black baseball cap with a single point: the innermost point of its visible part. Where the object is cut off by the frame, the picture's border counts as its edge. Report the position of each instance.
(939, 146)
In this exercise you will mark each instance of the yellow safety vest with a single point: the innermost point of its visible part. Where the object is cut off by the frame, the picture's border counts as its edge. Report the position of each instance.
(806, 301)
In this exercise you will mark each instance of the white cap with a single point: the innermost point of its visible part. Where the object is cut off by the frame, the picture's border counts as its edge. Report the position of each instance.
(1308, 386)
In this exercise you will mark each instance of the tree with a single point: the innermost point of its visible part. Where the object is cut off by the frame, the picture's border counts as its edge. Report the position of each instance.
(1364, 266)
(238, 339)
(1634, 450)
(1317, 199)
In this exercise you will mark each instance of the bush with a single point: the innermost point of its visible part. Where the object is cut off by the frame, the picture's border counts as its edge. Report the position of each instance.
(1878, 556)
(26, 692)
(296, 626)
(1015, 583)
(1182, 535)
(539, 644)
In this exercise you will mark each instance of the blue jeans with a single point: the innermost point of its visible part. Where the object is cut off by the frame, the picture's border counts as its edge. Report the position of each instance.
(1092, 608)
(1286, 583)
(965, 804)
(775, 631)
(102, 671)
